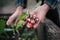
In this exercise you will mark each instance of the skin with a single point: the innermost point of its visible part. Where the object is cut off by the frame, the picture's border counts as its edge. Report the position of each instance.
(41, 11)
(15, 15)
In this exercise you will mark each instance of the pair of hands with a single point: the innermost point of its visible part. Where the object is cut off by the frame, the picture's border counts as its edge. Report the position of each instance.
(40, 12)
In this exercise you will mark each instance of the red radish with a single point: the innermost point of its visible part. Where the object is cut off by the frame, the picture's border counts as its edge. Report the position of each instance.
(28, 19)
(34, 16)
(32, 21)
(35, 26)
(29, 25)
(37, 20)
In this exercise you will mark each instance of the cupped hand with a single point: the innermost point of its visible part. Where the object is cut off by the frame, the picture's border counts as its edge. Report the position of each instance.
(41, 12)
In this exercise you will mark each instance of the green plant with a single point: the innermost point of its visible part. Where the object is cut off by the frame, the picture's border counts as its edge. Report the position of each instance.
(2, 25)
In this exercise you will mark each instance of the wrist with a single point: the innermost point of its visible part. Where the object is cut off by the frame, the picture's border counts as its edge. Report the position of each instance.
(19, 9)
(46, 7)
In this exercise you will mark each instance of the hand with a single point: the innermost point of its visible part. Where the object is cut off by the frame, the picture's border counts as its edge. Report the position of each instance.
(41, 12)
(14, 16)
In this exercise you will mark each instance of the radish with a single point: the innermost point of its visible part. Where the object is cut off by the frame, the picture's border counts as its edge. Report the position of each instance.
(34, 16)
(29, 25)
(32, 21)
(36, 19)
(28, 19)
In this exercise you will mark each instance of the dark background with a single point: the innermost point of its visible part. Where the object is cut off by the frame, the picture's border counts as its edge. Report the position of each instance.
(8, 6)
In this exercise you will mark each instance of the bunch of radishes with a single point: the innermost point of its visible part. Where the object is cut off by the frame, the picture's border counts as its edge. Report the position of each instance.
(31, 21)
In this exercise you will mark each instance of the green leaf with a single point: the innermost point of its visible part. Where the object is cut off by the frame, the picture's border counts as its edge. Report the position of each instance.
(22, 16)
(19, 24)
(21, 20)
(2, 25)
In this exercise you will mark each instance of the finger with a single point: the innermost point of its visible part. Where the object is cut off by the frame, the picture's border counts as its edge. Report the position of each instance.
(9, 22)
(11, 19)
(35, 26)
(16, 22)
